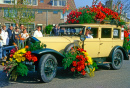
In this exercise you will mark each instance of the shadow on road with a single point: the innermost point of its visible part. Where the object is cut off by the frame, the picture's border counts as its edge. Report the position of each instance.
(3, 79)
(32, 77)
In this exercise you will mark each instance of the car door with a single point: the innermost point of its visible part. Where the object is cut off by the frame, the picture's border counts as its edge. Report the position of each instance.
(105, 45)
(92, 45)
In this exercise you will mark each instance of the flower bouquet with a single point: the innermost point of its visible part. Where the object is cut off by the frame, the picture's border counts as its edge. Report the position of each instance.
(19, 59)
(79, 62)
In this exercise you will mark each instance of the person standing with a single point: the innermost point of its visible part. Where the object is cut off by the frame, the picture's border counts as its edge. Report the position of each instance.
(11, 35)
(5, 36)
(21, 28)
(54, 30)
(38, 32)
(1, 44)
(24, 35)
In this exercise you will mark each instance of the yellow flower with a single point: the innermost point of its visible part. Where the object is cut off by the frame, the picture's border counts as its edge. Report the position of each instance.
(23, 58)
(3, 63)
(90, 60)
(93, 69)
(6, 61)
(11, 59)
(18, 59)
(14, 56)
(23, 50)
(85, 53)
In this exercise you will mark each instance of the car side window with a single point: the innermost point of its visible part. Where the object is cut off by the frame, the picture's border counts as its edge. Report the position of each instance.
(106, 33)
(116, 33)
(94, 32)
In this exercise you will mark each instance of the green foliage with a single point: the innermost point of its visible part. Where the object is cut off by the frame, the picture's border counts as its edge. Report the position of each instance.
(69, 58)
(22, 69)
(48, 29)
(95, 65)
(86, 17)
(36, 46)
(19, 13)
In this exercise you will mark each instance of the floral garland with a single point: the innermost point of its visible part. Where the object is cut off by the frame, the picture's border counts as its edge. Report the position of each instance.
(93, 14)
(126, 43)
(79, 62)
(15, 66)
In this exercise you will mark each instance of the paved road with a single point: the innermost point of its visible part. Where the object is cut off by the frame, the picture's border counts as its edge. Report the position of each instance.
(104, 78)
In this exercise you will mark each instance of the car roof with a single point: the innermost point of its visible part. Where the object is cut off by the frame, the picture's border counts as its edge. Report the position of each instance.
(91, 25)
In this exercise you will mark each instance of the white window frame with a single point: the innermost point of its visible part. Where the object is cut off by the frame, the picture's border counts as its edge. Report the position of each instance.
(58, 2)
(2, 2)
(32, 3)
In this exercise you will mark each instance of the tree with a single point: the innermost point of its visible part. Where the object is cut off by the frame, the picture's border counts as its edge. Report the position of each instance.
(19, 12)
(117, 4)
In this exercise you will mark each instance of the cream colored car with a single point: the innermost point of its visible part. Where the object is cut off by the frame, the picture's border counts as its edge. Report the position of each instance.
(105, 47)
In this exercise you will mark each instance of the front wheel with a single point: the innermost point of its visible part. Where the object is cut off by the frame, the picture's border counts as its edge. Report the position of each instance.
(117, 59)
(47, 68)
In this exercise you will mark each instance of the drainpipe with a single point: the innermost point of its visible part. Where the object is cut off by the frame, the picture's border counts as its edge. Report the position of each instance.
(46, 17)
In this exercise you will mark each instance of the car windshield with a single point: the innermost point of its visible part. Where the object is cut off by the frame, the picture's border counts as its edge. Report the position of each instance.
(70, 31)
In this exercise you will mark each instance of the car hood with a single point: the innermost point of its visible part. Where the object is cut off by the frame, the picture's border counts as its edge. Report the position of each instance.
(58, 39)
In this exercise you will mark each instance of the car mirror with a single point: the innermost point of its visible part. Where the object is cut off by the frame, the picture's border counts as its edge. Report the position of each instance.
(82, 37)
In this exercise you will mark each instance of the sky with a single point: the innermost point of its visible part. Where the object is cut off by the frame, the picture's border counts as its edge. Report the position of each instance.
(82, 3)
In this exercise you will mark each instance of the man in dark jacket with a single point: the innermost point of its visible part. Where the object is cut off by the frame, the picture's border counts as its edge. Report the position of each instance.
(11, 35)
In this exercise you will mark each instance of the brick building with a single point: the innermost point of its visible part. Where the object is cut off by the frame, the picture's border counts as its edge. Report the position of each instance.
(45, 12)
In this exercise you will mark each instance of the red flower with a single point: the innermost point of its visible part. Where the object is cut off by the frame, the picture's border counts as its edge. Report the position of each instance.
(78, 68)
(83, 72)
(73, 69)
(74, 63)
(11, 55)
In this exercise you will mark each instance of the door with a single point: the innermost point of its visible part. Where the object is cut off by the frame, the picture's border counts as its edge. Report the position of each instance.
(105, 45)
(92, 45)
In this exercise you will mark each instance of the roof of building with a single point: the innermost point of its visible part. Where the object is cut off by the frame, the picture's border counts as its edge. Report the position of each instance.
(47, 5)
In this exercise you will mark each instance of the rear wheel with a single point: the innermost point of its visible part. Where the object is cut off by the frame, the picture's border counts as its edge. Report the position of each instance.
(117, 59)
(47, 68)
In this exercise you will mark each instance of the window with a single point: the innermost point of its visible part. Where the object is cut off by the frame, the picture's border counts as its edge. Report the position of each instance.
(63, 15)
(55, 12)
(55, 2)
(116, 33)
(94, 32)
(30, 27)
(30, 2)
(10, 13)
(59, 2)
(69, 31)
(29, 14)
(41, 1)
(106, 33)
(9, 24)
(39, 11)
(9, 1)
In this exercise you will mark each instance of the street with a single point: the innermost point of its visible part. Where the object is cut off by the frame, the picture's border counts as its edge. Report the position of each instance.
(104, 78)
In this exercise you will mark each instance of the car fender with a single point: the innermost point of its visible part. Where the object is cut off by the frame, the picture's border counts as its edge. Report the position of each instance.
(68, 47)
(122, 49)
(55, 53)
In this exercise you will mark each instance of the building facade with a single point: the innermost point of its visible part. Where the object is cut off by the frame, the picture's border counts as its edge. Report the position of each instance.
(45, 12)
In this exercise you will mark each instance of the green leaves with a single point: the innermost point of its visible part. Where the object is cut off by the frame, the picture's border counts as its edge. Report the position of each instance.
(69, 58)
(36, 46)
(22, 69)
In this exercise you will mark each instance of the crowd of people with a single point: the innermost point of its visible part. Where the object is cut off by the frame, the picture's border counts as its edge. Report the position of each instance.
(14, 34)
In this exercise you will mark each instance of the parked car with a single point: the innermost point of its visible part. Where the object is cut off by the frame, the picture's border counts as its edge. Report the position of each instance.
(105, 47)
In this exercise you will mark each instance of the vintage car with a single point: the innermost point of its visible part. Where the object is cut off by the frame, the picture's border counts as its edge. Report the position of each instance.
(104, 47)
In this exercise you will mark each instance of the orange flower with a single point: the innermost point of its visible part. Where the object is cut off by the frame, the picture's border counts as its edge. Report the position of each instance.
(14, 43)
(19, 35)
(22, 39)
(26, 47)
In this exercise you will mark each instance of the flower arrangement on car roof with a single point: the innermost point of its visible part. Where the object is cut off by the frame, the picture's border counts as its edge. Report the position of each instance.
(17, 60)
(96, 13)
(79, 62)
